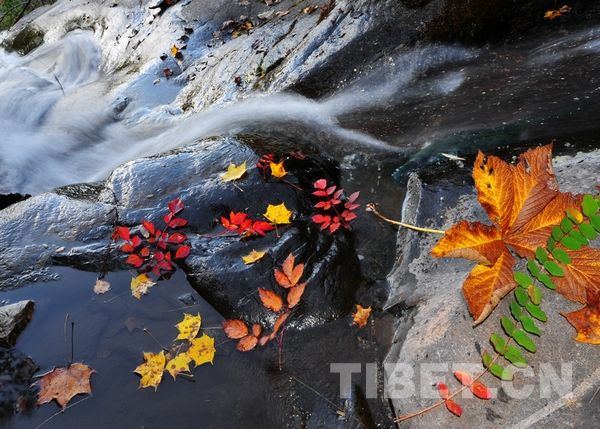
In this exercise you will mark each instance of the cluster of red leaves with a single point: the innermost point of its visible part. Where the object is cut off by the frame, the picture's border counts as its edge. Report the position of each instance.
(155, 249)
(240, 223)
(477, 388)
(264, 162)
(287, 278)
(336, 211)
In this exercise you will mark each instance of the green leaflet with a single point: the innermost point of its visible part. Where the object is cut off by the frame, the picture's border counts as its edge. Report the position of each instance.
(595, 222)
(498, 342)
(536, 312)
(507, 325)
(535, 294)
(501, 372)
(553, 268)
(588, 231)
(541, 255)
(547, 281)
(551, 243)
(576, 235)
(486, 358)
(530, 326)
(573, 215)
(571, 243)
(589, 205)
(566, 225)
(521, 296)
(522, 279)
(515, 310)
(514, 356)
(524, 340)
(561, 256)
(533, 268)
(557, 233)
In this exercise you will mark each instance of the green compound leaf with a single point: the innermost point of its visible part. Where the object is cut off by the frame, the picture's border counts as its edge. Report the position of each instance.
(507, 325)
(522, 279)
(524, 341)
(553, 268)
(486, 358)
(533, 268)
(557, 233)
(536, 312)
(547, 281)
(571, 243)
(514, 356)
(515, 310)
(566, 225)
(521, 296)
(561, 256)
(535, 294)
(530, 326)
(501, 372)
(579, 237)
(588, 231)
(589, 206)
(595, 222)
(541, 255)
(498, 342)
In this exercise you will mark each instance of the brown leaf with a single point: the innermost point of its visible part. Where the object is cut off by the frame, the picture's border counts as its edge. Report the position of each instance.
(247, 343)
(587, 320)
(270, 299)
(235, 329)
(361, 316)
(101, 286)
(582, 275)
(64, 383)
(295, 294)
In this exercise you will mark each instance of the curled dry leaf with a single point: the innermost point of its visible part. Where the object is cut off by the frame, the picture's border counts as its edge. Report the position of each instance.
(64, 383)
(247, 343)
(270, 299)
(234, 172)
(235, 329)
(140, 285)
(189, 327)
(101, 286)
(361, 316)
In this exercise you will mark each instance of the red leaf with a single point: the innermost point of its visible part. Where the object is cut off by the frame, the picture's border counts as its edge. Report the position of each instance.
(325, 219)
(134, 260)
(175, 206)
(177, 238)
(182, 252)
(453, 407)
(349, 216)
(320, 184)
(168, 256)
(235, 329)
(270, 300)
(353, 197)
(122, 232)
(481, 391)
(159, 256)
(443, 390)
(335, 225)
(464, 378)
(278, 324)
(177, 222)
(165, 265)
(145, 252)
(237, 222)
(136, 241)
(149, 226)
(127, 248)
(247, 343)
(261, 228)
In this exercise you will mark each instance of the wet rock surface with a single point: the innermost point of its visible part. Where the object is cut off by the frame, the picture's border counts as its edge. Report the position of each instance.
(436, 327)
(16, 372)
(13, 319)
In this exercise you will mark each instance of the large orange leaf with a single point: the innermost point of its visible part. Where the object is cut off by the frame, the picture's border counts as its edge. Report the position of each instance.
(587, 320)
(582, 275)
(524, 204)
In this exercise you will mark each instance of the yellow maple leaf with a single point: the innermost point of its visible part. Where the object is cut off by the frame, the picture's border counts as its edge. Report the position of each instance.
(234, 172)
(152, 369)
(174, 50)
(278, 214)
(202, 350)
(361, 316)
(277, 170)
(178, 364)
(189, 327)
(140, 285)
(253, 256)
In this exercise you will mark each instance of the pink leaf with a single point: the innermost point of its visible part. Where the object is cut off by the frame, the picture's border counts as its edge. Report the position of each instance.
(182, 252)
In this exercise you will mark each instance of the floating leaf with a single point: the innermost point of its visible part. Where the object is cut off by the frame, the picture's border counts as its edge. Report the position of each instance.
(152, 369)
(234, 172)
(140, 285)
(278, 214)
(361, 316)
(178, 364)
(290, 274)
(189, 327)
(235, 329)
(253, 256)
(101, 286)
(202, 350)
(277, 170)
(295, 294)
(247, 343)
(63, 384)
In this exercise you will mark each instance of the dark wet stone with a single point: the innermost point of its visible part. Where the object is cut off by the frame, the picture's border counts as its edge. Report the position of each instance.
(187, 299)
(13, 319)
(25, 41)
(9, 199)
(16, 372)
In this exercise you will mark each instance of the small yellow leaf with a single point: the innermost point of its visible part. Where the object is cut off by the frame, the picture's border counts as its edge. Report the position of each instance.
(140, 285)
(551, 14)
(234, 172)
(361, 316)
(188, 327)
(253, 256)
(178, 364)
(174, 50)
(278, 214)
(277, 170)
(151, 370)
(101, 286)
(202, 350)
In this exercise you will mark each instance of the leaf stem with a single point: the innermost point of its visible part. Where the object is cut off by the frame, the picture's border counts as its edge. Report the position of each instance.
(372, 207)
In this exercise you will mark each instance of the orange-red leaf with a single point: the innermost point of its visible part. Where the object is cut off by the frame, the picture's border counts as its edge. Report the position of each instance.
(464, 378)
(361, 316)
(279, 323)
(270, 299)
(475, 241)
(288, 265)
(480, 390)
(443, 390)
(235, 329)
(289, 275)
(582, 276)
(256, 329)
(587, 320)
(295, 294)
(453, 407)
(282, 280)
(247, 343)
(64, 383)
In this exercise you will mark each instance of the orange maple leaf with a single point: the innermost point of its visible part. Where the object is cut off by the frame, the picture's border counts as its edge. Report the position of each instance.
(587, 320)
(64, 383)
(524, 204)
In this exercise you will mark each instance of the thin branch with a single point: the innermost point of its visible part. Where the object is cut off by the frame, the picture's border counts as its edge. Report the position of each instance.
(372, 207)
(62, 411)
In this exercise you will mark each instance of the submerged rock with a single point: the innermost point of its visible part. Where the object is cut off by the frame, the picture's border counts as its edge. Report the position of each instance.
(13, 319)
(16, 373)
